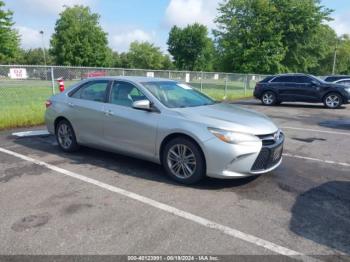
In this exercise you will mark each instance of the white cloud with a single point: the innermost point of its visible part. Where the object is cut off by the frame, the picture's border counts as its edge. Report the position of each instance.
(31, 38)
(184, 12)
(341, 23)
(121, 41)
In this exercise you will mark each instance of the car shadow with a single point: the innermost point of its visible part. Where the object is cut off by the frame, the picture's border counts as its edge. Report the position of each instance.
(342, 124)
(284, 105)
(322, 214)
(121, 164)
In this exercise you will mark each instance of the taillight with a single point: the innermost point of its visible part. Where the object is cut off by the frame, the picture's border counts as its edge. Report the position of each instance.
(257, 85)
(48, 103)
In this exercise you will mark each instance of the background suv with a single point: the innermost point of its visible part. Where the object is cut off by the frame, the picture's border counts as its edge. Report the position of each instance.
(335, 78)
(301, 88)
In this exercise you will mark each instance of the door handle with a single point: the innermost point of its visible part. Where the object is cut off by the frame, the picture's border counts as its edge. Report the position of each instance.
(108, 113)
(71, 104)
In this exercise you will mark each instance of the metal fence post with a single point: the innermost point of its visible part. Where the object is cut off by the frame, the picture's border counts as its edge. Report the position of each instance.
(245, 85)
(169, 75)
(225, 94)
(52, 81)
(201, 81)
(123, 72)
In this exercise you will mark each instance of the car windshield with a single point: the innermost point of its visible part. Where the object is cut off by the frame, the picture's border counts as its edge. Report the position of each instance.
(318, 79)
(176, 95)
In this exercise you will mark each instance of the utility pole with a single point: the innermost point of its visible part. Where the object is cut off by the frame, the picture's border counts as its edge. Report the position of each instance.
(335, 57)
(43, 44)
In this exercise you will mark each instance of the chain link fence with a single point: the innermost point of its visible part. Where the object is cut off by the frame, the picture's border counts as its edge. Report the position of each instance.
(25, 88)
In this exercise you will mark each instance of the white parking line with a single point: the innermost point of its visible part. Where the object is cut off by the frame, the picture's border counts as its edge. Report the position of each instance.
(317, 160)
(29, 133)
(316, 130)
(172, 210)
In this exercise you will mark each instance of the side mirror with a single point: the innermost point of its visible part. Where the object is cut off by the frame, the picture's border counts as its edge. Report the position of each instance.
(142, 105)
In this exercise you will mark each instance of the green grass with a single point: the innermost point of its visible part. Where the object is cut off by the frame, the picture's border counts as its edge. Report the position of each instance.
(216, 90)
(22, 103)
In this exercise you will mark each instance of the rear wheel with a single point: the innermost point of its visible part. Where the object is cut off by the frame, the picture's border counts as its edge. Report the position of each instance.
(269, 98)
(66, 137)
(332, 100)
(183, 161)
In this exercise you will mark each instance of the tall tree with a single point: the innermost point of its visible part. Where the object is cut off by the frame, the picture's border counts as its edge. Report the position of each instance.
(271, 36)
(79, 39)
(328, 41)
(167, 63)
(146, 55)
(35, 56)
(9, 38)
(342, 65)
(191, 47)
(248, 38)
(302, 25)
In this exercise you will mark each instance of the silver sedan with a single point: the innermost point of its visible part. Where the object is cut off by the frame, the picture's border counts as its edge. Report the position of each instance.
(166, 122)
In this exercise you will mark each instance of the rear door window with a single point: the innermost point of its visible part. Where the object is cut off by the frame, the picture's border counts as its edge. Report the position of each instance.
(284, 79)
(303, 79)
(92, 91)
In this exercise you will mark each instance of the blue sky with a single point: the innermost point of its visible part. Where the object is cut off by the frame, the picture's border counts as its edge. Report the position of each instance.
(129, 20)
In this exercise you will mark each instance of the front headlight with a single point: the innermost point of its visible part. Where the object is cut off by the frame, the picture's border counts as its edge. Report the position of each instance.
(233, 137)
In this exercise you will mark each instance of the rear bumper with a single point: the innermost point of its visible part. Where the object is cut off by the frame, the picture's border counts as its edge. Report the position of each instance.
(257, 94)
(50, 120)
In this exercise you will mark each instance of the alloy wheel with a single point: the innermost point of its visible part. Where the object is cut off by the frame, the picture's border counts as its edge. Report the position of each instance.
(181, 161)
(332, 101)
(268, 98)
(65, 135)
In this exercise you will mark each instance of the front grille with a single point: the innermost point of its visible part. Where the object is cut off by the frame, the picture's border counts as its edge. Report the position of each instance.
(270, 153)
(261, 160)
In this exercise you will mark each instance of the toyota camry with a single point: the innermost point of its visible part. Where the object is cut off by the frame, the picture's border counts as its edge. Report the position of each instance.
(167, 122)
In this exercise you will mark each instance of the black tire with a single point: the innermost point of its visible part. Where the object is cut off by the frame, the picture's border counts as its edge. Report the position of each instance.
(332, 100)
(199, 170)
(63, 144)
(269, 98)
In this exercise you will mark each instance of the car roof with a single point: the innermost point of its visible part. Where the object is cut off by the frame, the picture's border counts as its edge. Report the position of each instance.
(338, 76)
(137, 79)
(343, 79)
(292, 74)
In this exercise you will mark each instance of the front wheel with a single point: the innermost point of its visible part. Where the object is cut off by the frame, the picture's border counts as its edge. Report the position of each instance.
(66, 137)
(332, 100)
(269, 98)
(183, 161)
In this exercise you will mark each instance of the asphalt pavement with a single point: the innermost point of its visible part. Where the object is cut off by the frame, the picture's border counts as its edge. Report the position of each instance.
(94, 202)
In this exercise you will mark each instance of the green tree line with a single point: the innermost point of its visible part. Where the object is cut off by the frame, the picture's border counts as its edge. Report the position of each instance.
(251, 36)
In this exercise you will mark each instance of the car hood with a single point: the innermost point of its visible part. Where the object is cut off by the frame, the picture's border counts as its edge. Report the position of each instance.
(230, 117)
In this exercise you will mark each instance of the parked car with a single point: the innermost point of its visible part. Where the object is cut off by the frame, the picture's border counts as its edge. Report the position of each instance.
(334, 78)
(166, 122)
(345, 81)
(94, 74)
(274, 90)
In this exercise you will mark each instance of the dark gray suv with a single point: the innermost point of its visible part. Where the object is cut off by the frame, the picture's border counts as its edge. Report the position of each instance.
(274, 90)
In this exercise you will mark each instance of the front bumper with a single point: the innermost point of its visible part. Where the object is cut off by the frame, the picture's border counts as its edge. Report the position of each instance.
(242, 160)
